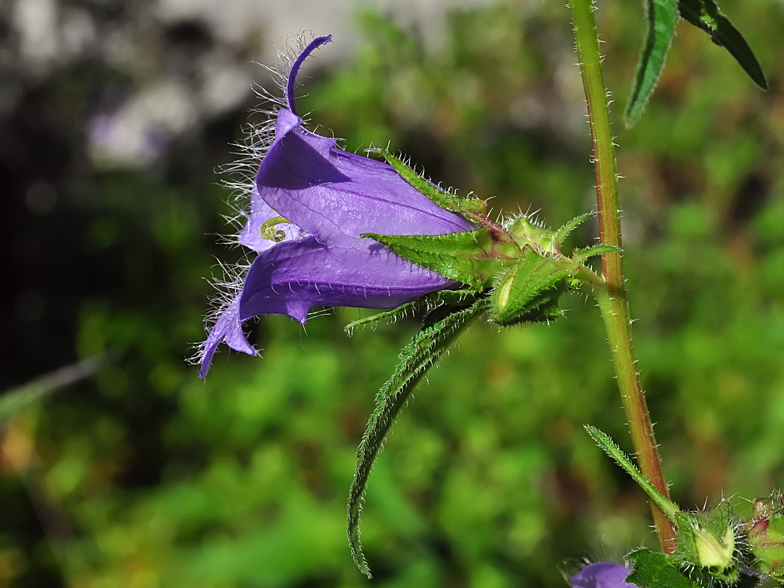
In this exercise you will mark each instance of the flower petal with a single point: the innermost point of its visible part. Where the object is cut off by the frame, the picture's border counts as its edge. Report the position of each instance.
(294, 276)
(602, 575)
(227, 328)
(260, 212)
(291, 82)
(338, 195)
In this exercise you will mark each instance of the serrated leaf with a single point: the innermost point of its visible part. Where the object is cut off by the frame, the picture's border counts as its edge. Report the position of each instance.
(534, 282)
(706, 15)
(456, 298)
(580, 255)
(566, 230)
(662, 18)
(471, 207)
(416, 358)
(458, 256)
(656, 570)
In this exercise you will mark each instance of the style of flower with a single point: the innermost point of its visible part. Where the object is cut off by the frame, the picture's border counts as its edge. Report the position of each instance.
(602, 575)
(309, 205)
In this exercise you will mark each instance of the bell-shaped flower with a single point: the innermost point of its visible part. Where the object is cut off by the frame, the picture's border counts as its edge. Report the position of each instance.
(602, 575)
(310, 204)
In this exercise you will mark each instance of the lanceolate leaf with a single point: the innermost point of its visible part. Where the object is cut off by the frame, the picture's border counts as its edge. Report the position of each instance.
(451, 298)
(416, 359)
(706, 15)
(459, 256)
(662, 18)
(668, 507)
(470, 206)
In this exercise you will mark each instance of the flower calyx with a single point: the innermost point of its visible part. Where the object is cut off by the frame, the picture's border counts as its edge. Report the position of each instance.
(710, 548)
(519, 263)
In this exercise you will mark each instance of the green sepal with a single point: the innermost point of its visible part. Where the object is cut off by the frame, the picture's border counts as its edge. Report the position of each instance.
(527, 232)
(662, 17)
(471, 207)
(416, 358)
(656, 570)
(428, 303)
(464, 256)
(706, 15)
(529, 290)
(580, 255)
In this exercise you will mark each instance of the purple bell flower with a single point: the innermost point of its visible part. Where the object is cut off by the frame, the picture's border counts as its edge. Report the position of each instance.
(602, 575)
(309, 205)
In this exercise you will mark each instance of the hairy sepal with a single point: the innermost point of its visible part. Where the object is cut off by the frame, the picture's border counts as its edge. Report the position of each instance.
(471, 208)
(580, 255)
(466, 257)
(416, 358)
(427, 304)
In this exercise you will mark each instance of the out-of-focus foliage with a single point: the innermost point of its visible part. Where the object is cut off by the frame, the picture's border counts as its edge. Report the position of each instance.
(144, 476)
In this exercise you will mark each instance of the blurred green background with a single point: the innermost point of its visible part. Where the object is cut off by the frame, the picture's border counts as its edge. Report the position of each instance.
(143, 476)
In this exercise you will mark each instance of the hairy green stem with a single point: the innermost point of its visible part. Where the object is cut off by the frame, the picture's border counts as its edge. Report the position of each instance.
(612, 298)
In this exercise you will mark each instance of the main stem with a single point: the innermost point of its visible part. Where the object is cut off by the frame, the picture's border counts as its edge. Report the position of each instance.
(612, 299)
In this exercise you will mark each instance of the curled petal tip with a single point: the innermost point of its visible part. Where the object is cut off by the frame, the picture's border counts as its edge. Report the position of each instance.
(292, 80)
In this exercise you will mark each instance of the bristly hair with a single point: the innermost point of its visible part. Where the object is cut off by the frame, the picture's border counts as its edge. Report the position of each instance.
(239, 178)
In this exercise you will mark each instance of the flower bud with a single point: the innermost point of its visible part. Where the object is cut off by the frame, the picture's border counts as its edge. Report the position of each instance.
(766, 535)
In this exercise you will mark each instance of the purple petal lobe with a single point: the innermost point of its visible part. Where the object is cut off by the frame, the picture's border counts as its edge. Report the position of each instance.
(287, 121)
(338, 195)
(227, 328)
(294, 276)
(312, 46)
(602, 575)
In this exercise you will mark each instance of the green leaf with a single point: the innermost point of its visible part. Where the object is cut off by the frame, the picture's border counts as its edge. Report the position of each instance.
(662, 18)
(464, 256)
(656, 570)
(416, 358)
(430, 302)
(580, 255)
(668, 507)
(566, 230)
(706, 15)
(471, 207)
(530, 289)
